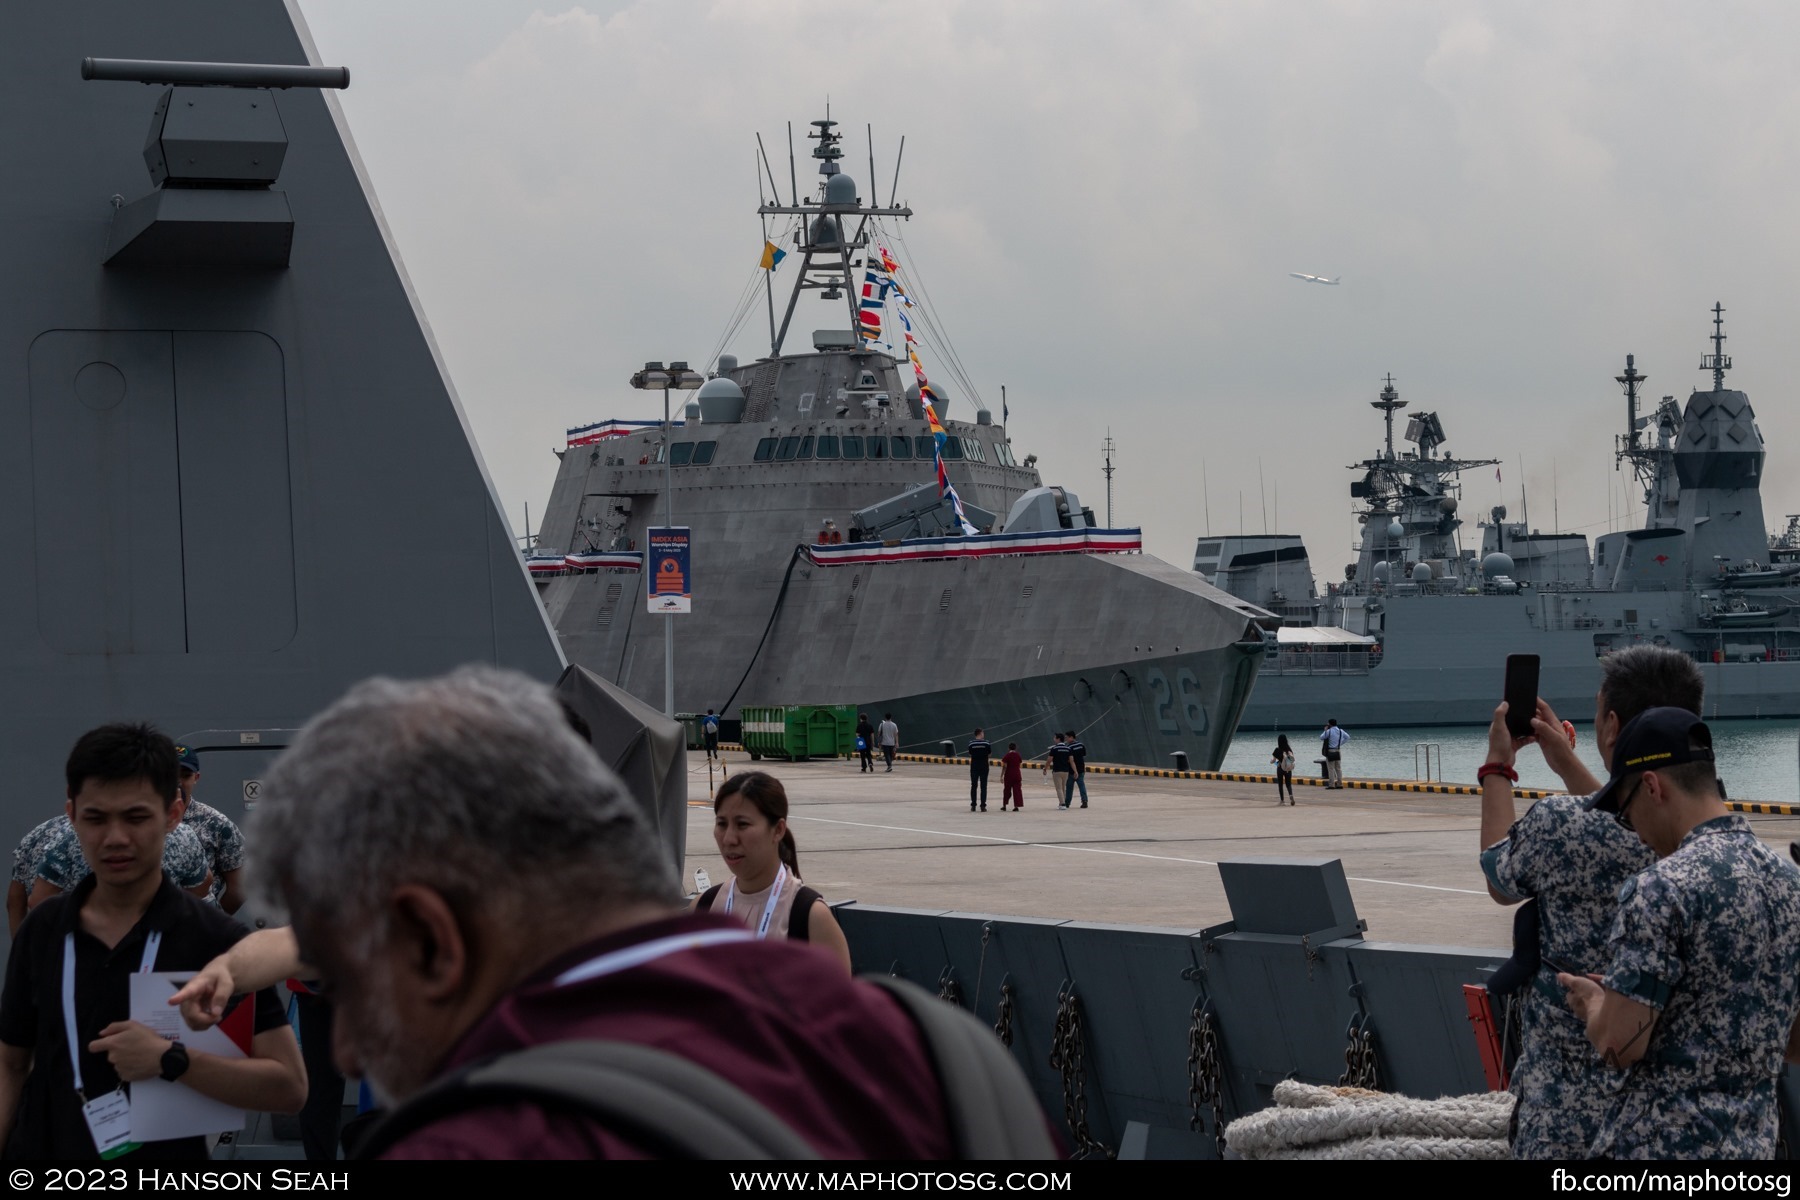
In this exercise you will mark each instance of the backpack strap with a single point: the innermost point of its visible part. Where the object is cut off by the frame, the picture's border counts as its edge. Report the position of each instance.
(800, 916)
(705, 902)
(992, 1109)
(661, 1102)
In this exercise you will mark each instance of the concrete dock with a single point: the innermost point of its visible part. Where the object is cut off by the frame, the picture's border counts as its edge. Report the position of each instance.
(1143, 853)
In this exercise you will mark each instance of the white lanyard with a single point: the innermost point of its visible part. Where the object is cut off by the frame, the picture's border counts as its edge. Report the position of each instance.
(762, 929)
(637, 956)
(151, 943)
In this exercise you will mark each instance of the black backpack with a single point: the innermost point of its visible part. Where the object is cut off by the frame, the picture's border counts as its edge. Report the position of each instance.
(673, 1108)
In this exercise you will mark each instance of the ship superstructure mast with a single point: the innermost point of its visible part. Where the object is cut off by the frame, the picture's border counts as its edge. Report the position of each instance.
(828, 250)
(1652, 461)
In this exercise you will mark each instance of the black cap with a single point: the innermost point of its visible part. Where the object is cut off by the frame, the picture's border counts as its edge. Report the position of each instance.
(1655, 738)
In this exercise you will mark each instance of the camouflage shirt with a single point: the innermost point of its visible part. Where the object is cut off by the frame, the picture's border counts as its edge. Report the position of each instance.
(1710, 938)
(219, 837)
(184, 859)
(29, 855)
(1573, 861)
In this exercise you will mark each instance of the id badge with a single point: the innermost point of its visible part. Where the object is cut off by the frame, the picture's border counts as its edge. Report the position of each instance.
(109, 1123)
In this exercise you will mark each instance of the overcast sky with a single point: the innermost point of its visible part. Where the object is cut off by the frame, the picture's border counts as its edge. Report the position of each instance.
(1108, 202)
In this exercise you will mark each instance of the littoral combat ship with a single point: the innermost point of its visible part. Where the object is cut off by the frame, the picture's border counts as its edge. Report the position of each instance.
(852, 543)
(1418, 631)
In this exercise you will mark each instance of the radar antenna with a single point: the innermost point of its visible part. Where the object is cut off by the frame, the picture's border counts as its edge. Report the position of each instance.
(1107, 447)
(1389, 402)
(1718, 362)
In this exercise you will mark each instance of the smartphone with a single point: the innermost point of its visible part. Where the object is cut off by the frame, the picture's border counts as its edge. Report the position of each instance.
(1521, 693)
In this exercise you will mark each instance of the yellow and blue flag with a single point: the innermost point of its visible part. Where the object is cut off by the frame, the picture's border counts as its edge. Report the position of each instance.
(772, 256)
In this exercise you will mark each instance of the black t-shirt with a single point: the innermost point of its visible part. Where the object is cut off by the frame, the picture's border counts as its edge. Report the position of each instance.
(50, 1124)
(1059, 757)
(1078, 752)
(979, 749)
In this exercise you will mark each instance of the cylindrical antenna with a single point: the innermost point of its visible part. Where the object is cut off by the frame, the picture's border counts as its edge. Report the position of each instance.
(211, 74)
(874, 188)
(776, 191)
(793, 177)
(892, 192)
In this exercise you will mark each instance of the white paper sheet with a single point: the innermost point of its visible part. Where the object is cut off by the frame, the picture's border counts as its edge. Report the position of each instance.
(159, 1109)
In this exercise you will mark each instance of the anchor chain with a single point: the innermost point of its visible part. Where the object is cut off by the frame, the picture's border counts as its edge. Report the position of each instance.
(1359, 1056)
(1067, 1053)
(1205, 1073)
(1003, 1015)
(949, 990)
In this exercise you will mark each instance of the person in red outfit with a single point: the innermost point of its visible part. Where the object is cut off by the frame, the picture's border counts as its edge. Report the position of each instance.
(1012, 777)
(468, 879)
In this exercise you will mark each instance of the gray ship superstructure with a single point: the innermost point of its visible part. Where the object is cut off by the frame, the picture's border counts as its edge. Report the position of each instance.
(1418, 631)
(828, 568)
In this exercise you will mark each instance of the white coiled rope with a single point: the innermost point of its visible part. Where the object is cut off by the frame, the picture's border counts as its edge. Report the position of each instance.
(1345, 1122)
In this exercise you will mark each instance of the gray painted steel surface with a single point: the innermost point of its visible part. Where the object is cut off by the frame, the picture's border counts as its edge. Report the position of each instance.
(216, 471)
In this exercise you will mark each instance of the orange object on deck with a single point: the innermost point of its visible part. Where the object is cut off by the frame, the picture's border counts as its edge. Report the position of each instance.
(1487, 1035)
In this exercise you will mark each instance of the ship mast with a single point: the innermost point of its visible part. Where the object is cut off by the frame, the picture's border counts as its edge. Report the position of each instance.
(1389, 402)
(828, 252)
(1718, 362)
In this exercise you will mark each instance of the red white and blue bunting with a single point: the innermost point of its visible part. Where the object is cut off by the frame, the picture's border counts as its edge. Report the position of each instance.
(1060, 541)
(561, 564)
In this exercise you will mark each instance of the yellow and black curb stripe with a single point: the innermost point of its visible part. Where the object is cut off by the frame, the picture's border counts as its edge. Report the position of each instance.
(1768, 810)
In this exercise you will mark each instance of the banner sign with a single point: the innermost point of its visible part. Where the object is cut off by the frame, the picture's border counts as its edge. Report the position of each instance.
(671, 574)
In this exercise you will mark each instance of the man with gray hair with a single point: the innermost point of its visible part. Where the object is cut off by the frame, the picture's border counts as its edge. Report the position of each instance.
(470, 881)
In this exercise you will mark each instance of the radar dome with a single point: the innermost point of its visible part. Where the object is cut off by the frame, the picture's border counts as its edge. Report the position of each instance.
(1395, 531)
(1381, 572)
(721, 401)
(1448, 504)
(840, 189)
(1421, 573)
(693, 410)
(727, 363)
(1496, 564)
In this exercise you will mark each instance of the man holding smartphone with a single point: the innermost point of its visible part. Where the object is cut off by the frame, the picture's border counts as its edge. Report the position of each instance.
(1571, 862)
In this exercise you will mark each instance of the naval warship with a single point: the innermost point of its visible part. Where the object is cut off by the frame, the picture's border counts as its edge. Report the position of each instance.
(855, 542)
(1418, 630)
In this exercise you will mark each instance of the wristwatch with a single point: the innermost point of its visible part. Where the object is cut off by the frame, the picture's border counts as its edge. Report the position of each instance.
(174, 1062)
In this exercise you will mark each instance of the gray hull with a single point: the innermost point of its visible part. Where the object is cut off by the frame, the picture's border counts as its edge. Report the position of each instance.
(1443, 661)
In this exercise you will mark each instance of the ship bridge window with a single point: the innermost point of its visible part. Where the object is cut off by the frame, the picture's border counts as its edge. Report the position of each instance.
(927, 446)
(681, 454)
(878, 447)
(703, 452)
(765, 449)
(901, 447)
(828, 445)
(806, 447)
(953, 448)
(852, 446)
(974, 449)
(788, 448)
(1003, 454)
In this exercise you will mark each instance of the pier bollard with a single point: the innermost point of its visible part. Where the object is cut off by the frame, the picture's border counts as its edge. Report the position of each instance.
(948, 749)
(1180, 757)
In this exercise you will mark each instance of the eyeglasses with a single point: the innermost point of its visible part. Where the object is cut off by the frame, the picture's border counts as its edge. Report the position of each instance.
(1620, 816)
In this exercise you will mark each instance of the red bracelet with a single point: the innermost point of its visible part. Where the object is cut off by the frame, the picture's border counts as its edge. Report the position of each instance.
(1495, 768)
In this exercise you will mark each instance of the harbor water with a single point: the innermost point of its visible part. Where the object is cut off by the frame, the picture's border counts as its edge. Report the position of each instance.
(1758, 760)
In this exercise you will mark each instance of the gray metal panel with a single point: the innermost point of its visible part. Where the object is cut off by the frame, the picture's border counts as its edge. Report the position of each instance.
(894, 941)
(1424, 1044)
(237, 526)
(1137, 991)
(1289, 895)
(106, 493)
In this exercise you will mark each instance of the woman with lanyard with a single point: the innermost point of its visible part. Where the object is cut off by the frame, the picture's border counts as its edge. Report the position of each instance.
(765, 892)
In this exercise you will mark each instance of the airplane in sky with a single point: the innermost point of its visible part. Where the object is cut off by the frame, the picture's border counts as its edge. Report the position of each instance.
(1315, 278)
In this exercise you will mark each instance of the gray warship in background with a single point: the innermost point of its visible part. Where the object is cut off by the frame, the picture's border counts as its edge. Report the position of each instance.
(828, 568)
(1418, 631)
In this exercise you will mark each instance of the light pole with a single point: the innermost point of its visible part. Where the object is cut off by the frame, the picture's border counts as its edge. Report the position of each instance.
(677, 376)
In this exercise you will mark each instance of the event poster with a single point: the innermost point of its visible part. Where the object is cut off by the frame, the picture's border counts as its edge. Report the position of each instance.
(671, 570)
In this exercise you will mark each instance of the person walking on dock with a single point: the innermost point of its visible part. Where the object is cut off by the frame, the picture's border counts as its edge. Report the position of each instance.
(1333, 739)
(890, 738)
(1283, 758)
(1012, 777)
(709, 733)
(1568, 863)
(979, 751)
(1077, 770)
(1056, 762)
(865, 741)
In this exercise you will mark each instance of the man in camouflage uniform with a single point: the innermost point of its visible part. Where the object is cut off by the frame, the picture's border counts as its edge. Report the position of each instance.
(27, 857)
(63, 865)
(218, 834)
(1698, 1004)
(1571, 862)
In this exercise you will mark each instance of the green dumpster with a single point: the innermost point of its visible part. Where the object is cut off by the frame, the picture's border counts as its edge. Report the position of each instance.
(690, 724)
(799, 731)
